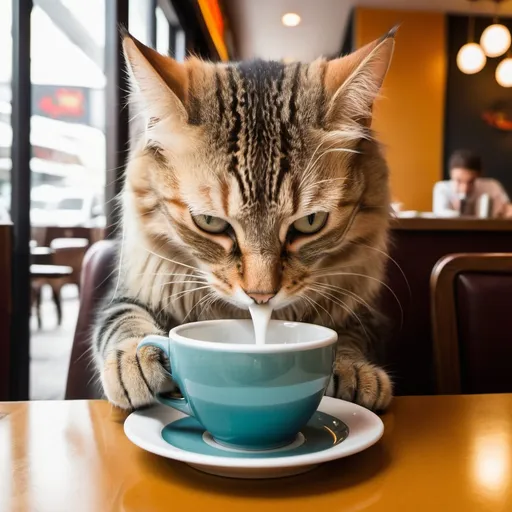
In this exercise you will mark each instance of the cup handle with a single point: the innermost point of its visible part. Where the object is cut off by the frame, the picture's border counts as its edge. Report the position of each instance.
(163, 343)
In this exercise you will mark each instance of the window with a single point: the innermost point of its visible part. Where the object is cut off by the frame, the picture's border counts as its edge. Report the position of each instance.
(5, 108)
(139, 20)
(180, 46)
(68, 164)
(162, 32)
(68, 105)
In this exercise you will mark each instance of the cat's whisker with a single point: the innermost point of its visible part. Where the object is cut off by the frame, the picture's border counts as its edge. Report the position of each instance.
(390, 259)
(107, 278)
(350, 264)
(176, 262)
(183, 281)
(382, 283)
(344, 291)
(208, 306)
(309, 167)
(310, 190)
(351, 132)
(171, 274)
(181, 294)
(338, 150)
(310, 303)
(204, 302)
(320, 306)
(326, 152)
(328, 180)
(201, 300)
(339, 302)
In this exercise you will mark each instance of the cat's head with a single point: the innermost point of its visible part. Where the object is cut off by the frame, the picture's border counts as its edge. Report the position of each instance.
(264, 174)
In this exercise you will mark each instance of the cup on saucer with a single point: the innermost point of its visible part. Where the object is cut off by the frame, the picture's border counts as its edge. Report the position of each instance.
(247, 395)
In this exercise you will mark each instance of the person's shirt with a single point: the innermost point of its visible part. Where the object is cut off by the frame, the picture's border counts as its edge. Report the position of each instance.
(447, 201)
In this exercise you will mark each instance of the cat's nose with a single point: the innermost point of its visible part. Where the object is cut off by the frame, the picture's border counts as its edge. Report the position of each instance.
(261, 297)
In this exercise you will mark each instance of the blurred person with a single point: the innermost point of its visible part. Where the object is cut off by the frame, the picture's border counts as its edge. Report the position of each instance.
(460, 195)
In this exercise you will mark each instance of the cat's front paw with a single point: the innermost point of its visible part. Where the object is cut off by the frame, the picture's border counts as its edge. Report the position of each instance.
(362, 383)
(130, 379)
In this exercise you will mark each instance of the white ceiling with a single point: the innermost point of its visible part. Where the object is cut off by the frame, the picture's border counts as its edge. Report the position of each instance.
(259, 32)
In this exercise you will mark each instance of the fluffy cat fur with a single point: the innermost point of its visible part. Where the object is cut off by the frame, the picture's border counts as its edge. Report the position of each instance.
(252, 147)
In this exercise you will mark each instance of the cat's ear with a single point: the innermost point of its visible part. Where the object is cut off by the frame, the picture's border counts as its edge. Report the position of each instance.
(354, 81)
(160, 83)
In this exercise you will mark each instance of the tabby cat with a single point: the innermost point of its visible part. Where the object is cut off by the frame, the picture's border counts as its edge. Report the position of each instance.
(253, 182)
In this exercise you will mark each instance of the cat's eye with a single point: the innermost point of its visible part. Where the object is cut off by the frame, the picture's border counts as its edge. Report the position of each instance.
(311, 223)
(210, 224)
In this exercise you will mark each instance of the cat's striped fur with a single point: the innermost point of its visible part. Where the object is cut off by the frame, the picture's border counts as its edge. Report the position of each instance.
(259, 145)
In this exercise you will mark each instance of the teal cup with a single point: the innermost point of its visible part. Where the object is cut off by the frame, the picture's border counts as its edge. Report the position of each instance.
(247, 395)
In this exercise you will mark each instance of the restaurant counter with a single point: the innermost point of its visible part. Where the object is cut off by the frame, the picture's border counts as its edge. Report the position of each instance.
(451, 224)
(416, 245)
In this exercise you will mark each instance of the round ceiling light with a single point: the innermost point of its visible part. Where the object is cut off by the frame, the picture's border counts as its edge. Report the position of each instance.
(290, 19)
(495, 40)
(504, 73)
(471, 58)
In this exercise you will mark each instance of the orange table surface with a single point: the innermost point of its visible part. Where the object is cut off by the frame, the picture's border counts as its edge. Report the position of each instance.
(444, 453)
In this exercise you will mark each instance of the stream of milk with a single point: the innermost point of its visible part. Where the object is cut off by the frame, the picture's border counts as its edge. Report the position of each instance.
(260, 314)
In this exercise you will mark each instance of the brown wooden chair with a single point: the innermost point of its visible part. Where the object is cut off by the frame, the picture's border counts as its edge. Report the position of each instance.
(63, 252)
(71, 252)
(53, 232)
(471, 295)
(98, 274)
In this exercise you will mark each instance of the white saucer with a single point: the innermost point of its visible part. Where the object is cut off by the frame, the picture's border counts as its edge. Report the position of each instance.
(144, 428)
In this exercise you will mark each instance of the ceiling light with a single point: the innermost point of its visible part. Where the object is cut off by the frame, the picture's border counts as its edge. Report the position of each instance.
(495, 40)
(504, 73)
(471, 58)
(290, 19)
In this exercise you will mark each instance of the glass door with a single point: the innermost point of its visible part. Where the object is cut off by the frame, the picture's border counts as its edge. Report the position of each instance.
(68, 169)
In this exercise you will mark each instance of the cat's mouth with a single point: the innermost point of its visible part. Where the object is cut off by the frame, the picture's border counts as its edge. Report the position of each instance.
(244, 300)
(258, 289)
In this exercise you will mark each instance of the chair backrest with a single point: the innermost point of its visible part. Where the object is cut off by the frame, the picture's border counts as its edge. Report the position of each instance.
(472, 324)
(53, 232)
(98, 271)
(72, 257)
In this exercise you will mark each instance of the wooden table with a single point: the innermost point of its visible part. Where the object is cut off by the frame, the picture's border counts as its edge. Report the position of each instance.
(438, 454)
